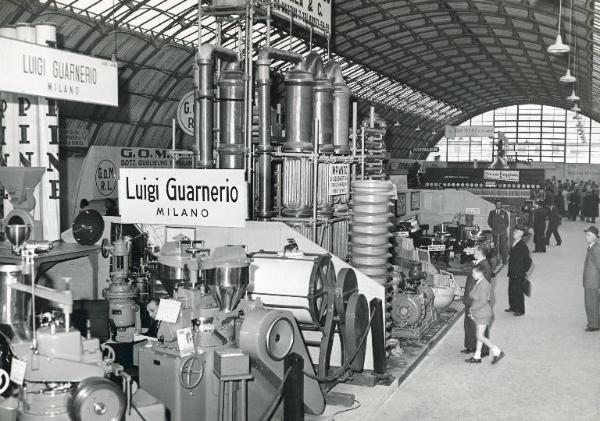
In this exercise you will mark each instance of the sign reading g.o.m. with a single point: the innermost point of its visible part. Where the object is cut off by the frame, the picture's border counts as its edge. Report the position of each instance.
(106, 177)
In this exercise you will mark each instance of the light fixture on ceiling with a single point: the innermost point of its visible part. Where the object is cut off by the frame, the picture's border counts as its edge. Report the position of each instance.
(577, 116)
(397, 124)
(573, 97)
(418, 129)
(558, 47)
(568, 77)
(575, 109)
(434, 132)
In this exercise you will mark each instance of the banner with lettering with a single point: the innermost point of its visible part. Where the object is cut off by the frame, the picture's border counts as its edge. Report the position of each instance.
(183, 197)
(38, 70)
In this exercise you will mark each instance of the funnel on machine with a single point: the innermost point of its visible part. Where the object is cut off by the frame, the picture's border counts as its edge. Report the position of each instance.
(20, 183)
(227, 275)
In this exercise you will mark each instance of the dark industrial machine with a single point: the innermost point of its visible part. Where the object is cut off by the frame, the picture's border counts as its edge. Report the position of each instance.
(124, 312)
(412, 303)
(204, 357)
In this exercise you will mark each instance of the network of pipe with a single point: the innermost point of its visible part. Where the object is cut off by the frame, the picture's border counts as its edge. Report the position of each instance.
(287, 170)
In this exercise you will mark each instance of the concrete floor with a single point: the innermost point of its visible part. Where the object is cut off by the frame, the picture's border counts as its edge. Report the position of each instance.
(552, 367)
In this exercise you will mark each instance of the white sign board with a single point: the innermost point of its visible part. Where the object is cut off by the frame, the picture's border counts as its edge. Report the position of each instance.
(168, 310)
(307, 13)
(183, 197)
(501, 175)
(185, 113)
(339, 179)
(472, 211)
(469, 131)
(37, 70)
(436, 247)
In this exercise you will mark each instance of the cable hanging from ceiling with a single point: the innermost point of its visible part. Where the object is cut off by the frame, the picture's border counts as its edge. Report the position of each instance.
(558, 47)
(568, 77)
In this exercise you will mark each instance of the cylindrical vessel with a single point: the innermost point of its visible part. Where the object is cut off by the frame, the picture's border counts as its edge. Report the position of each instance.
(299, 114)
(297, 196)
(231, 89)
(15, 306)
(323, 114)
(341, 113)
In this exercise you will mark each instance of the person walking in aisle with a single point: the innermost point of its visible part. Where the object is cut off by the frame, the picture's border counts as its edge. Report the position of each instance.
(481, 313)
(519, 263)
(498, 221)
(538, 223)
(480, 255)
(591, 280)
(554, 220)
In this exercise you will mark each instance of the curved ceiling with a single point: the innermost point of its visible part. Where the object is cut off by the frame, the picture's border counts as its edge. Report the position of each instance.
(424, 63)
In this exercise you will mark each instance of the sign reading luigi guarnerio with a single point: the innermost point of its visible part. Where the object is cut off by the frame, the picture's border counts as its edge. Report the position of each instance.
(183, 197)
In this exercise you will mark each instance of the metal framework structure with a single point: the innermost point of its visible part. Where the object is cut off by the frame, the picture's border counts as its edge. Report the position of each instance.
(424, 63)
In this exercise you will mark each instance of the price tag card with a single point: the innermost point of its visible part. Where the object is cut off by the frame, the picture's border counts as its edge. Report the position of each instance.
(472, 211)
(168, 310)
(185, 339)
(403, 233)
(17, 371)
(436, 247)
(469, 251)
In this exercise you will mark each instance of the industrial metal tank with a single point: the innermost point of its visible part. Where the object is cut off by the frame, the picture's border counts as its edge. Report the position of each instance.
(231, 91)
(299, 113)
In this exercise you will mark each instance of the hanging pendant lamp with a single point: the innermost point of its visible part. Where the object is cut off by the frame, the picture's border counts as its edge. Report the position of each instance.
(568, 77)
(418, 129)
(573, 97)
(558, 47)
(575, 109)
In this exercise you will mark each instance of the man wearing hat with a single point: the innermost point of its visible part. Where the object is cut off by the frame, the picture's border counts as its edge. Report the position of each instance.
(519, 263)
(498, 221)
(591, 280)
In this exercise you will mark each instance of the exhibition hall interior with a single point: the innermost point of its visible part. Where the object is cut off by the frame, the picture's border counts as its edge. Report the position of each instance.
(254, 210)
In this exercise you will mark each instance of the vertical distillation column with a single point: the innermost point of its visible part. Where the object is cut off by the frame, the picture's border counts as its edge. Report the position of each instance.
(263, 82)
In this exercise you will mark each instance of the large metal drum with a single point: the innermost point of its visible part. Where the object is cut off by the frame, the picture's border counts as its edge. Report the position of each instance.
(298, 284)
(15, 306)
(299, 114)
(323, 109)
(231, 92)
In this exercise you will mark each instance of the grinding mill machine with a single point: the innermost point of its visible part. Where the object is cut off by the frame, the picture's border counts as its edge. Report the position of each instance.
(223, 350)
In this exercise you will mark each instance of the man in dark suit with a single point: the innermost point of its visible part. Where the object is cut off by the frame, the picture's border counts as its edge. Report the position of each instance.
(498, 221)
(519, 263)
(554, 220)
(538, 222)
(480, 255)
(591, 280)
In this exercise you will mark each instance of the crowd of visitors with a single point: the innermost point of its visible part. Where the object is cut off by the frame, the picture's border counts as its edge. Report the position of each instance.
(572, 199)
